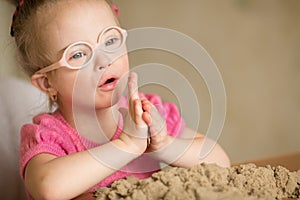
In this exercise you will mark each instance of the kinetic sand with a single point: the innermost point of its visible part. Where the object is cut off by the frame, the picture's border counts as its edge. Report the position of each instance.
(209, 182)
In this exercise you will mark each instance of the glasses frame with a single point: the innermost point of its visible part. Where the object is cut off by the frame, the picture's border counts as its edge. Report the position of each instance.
(63, 63)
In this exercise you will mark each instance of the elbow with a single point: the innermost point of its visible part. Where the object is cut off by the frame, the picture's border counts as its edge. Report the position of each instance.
(216, 154)
(224, 160)
(41, 195)
(220, 157)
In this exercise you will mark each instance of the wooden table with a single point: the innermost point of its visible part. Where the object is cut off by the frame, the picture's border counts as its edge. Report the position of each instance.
(289, 161)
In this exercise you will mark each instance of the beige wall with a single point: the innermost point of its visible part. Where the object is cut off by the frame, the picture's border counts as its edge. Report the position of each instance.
(255, 45)
(7, 47)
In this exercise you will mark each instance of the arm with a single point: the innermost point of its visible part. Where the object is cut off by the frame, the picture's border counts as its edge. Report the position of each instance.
(184, 151)
(51, 177)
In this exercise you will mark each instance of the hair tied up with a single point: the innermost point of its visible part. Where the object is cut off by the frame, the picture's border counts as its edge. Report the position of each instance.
(20, 4)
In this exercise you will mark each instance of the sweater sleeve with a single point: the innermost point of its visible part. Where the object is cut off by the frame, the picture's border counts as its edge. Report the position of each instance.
(45, 135)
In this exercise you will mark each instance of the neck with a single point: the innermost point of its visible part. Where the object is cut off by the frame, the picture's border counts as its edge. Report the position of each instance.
(96, 125)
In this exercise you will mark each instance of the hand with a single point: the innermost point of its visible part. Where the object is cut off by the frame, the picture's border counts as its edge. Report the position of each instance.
(135, 130)
(157, 126)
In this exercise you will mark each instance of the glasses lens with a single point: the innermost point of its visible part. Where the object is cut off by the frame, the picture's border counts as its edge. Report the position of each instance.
(112, 39)
(78, 55)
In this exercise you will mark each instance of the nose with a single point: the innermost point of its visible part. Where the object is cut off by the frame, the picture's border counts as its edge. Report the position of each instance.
(104, 66)
(101, 60)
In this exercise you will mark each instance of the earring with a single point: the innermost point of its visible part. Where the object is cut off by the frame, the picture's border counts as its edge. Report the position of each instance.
(53, 98)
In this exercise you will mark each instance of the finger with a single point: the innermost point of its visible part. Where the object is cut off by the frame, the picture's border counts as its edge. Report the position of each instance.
(146, 105)
(138, 107)
(137, 112)
(124, 112)
(147, 118)
(157, 121)
(132, 86)
(152, 117)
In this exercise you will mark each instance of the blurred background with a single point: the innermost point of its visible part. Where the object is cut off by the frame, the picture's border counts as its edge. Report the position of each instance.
(256, 46)
(254, 43)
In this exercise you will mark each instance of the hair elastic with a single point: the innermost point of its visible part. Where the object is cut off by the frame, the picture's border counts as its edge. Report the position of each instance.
(21, 3)
(116, 9)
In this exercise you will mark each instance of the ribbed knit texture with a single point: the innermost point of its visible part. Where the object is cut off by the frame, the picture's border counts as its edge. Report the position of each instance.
(50, 133)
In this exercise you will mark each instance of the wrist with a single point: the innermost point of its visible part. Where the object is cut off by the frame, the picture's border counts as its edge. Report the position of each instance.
(113, 154)
(164, 145)
(133, 145)
(172, 151)
(159, 151)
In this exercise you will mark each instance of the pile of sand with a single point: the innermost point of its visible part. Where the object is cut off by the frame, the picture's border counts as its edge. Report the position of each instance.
(208, 181)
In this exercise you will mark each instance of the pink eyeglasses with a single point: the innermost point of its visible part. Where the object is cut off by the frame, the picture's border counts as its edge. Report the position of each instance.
(79, 54)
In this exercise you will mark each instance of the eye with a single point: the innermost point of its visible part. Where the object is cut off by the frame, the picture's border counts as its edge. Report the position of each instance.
(77, 58)
(111, 41)
(77, 55)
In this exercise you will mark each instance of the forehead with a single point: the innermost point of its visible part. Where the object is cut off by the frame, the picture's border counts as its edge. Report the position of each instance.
(70, 21)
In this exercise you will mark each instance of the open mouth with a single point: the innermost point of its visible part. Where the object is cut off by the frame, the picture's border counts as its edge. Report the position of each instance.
(109, 83)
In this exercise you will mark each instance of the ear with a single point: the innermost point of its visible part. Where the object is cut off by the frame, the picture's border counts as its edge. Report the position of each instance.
(41, 82)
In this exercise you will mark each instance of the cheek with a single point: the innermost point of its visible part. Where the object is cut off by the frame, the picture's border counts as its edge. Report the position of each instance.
(123, 63)
(64, 83)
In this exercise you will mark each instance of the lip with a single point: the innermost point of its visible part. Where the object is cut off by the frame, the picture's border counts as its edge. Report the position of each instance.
(109, 83)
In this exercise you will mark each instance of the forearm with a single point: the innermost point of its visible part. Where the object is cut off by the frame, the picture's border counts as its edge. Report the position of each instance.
(186, 152)
(68, 176)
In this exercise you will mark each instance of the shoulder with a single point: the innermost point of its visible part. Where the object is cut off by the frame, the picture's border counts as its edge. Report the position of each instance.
(47, 130)
(47, 134)
(44, 123)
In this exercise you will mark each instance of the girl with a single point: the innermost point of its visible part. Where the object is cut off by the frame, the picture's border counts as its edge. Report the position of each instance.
(75, 52)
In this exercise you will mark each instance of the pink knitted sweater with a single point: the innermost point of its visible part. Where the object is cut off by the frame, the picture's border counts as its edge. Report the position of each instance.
(51, 134)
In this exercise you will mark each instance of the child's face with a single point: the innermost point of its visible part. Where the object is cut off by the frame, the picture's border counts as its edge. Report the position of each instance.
(70, 21)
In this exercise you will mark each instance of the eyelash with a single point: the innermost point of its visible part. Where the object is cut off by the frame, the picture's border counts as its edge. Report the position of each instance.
(111, 41)
(77, 55)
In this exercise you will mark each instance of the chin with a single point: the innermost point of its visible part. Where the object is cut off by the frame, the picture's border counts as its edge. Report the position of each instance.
(107, 101)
